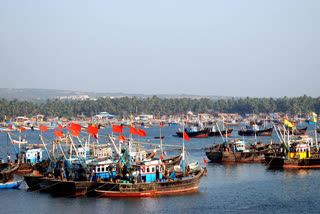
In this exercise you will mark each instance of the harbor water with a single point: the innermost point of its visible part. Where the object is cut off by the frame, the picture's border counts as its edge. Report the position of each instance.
(227, 188)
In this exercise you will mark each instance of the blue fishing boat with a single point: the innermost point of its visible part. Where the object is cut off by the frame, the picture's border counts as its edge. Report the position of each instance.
(11, 185)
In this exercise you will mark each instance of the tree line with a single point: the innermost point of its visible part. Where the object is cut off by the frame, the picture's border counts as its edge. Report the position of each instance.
(131, 105)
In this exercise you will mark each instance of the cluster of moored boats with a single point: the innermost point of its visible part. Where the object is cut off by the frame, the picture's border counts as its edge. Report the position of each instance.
(118, 168)
(123, 168)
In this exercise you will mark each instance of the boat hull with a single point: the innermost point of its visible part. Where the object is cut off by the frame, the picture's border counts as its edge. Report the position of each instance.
(292, 163)
(223, 133)
(11, 185)
(199, 134)
(265, 132)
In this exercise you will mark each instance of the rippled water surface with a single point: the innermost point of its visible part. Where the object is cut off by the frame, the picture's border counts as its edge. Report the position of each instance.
(227, 188)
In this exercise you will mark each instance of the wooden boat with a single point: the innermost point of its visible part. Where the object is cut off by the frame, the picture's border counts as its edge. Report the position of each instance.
(298, 156)
(38, 183)
(70, 188)
(171, 162)
(224, 133)
(254, 132)
(11, 185)
(111, 189)
(234, 152)
(159, 137)
(180, 184)
(301, 131)
(7, 174)
(204, 133)
(231, 124)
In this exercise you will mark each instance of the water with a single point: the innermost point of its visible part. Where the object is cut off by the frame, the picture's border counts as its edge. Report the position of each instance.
(227, 188)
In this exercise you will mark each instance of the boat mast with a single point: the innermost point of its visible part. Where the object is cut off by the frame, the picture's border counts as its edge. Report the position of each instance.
(161, 149)
(183, 159)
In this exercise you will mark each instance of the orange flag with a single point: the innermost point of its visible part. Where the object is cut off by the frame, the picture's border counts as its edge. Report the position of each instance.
(75, 133)
(43, 128)
(59, 126)
(160, 126)
(133, 130)
(122, 138)
(141, 133)
(204, 160)
(93, 130)
(161, 157)
(185, 136)
(22, 129)
(10, 127)
(117, 129)
(58, 133)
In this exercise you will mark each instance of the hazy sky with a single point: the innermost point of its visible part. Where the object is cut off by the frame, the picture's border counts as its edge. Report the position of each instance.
(261, 48)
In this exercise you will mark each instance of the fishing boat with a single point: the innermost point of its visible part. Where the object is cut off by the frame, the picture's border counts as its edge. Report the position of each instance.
(125, 189)
(232, 123)
(236, 151)
(171, 162)
(298, 156)
(215, 133)
(301, 131)
(8, 173)
(255, 131)
(193, 132)
(11, 185)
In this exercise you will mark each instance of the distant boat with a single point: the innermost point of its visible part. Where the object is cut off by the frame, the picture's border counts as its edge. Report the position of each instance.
(204, 133)
(11, 185)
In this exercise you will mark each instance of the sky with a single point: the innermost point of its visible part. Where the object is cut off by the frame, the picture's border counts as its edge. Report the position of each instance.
(265, 48)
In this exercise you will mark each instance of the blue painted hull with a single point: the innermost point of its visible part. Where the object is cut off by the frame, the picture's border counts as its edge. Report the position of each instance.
(11, 185)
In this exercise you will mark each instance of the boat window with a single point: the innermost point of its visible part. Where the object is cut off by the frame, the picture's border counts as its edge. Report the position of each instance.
(102, 169)
(148, 170)
(152, 169)
(98, 169)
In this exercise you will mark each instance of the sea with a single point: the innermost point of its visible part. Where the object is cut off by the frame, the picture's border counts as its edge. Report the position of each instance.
(227, 188)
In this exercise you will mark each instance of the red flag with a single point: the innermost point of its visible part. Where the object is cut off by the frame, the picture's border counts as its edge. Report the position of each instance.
(160, 126)
(117, 129)
(95, 136)
(75, 127)
(10, 126)
(141, 133)
(161, 157)
(75, 133)
(185, 136)
(93, 130)
(204, 160)
(43, 128)
(122, 138)
(133, 130)
(59, 126)
(58, 133)
(22, 129)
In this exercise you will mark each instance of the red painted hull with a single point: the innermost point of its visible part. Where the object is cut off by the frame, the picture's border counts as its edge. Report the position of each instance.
(191, 189)
(119, 194)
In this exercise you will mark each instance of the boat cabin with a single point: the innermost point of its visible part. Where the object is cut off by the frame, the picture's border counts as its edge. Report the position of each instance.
(34, 155)
(149, 171)
(239, 146)
(299, 151)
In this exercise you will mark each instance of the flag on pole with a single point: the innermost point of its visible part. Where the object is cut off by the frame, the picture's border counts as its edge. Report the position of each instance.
(160, 125)
(22, 129)
(59, 126)
(204, 160)
(43, 128)
(141, 133)
(185, 136)
(58, 133)
(117, 129)
(122, 138)
(93, 130)
(133, 130)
